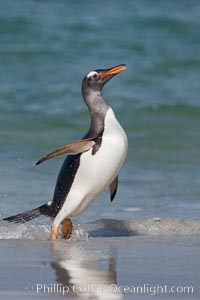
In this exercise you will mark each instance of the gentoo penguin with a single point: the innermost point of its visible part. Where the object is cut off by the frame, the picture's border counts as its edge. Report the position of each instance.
(92, 164)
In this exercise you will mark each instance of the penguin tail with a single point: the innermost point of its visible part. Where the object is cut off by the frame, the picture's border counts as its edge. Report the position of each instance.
(29, 215)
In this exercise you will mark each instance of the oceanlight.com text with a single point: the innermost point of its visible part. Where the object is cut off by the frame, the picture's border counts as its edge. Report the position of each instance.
(92, 289)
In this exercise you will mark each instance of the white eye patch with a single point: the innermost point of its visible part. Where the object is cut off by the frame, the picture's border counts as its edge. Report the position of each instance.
(92, 73)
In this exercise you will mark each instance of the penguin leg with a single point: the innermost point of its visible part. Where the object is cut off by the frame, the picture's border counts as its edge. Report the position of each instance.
(54, 232)
(67, 228)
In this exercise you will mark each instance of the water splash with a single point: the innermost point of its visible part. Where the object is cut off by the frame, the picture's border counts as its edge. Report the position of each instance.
(25, 231)
(107, 228)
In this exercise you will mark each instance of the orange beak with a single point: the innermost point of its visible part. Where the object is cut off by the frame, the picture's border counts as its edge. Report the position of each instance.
(113, 71)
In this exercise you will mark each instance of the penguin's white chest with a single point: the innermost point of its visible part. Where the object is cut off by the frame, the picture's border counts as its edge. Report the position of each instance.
(97, 171)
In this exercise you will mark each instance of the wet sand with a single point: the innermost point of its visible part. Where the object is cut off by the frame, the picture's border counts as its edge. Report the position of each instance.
(103, 260)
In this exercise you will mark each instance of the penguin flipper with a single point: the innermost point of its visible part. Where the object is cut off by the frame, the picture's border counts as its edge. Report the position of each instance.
(113, 188)
(73, 148)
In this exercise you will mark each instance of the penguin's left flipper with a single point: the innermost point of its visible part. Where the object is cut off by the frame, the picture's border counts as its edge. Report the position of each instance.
(73, 148)
(113, 188)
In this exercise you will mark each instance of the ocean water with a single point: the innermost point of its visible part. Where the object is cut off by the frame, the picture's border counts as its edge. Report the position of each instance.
(47, 47)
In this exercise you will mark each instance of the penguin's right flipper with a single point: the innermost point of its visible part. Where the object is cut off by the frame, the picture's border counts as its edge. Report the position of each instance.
(73, 148)
(113, 188)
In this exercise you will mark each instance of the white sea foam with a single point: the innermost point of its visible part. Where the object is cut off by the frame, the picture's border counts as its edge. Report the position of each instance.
(25, 231)
(106, 228)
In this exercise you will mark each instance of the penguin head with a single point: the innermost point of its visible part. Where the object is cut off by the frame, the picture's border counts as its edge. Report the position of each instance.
(95, 80)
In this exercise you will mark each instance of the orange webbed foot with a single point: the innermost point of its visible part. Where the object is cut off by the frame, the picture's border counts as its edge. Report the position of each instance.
(67, 228)
(54, 232)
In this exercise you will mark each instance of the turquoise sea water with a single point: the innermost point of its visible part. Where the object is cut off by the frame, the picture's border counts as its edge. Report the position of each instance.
(47, 47)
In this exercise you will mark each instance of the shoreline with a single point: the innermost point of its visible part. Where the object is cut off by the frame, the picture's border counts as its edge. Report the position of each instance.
(91, 267)
(152, 227)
